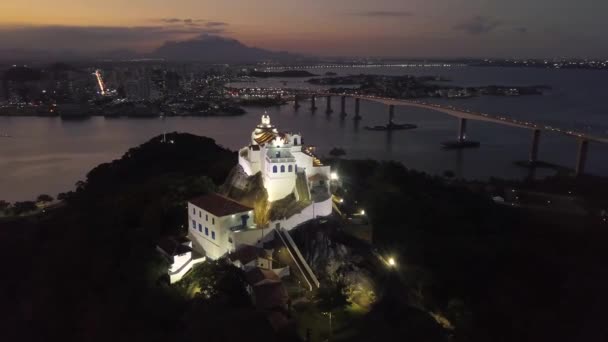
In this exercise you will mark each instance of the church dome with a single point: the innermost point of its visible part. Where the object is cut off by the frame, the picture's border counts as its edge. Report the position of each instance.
(264, 132)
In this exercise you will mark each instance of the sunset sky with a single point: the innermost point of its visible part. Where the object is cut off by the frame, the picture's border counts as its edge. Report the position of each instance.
(416, 28)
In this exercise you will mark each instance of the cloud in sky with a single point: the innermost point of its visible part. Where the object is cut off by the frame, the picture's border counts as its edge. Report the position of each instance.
(99, 38)
(215, 24)
(384, 14)
(190, 22)
(478, 25)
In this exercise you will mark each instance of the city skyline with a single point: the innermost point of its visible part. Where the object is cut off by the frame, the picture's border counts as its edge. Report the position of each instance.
(388, 28)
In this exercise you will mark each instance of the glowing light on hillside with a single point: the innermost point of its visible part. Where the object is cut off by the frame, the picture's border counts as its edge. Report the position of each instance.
(102, 86)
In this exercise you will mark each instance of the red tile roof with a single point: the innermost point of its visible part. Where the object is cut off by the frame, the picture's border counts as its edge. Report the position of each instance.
(219, 205)
(248, 253)
(258, 275)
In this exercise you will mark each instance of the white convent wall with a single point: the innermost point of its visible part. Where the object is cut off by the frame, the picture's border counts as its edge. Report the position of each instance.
(304, 161)
(251, 237)
(214, 248)
(320, 209)
(179, 274)
(249, 159)
(179, 261)
(279, 184)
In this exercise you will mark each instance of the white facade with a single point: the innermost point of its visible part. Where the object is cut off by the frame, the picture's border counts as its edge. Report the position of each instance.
(280, 157)
(219, 226)
(179, 255)
(215, 233)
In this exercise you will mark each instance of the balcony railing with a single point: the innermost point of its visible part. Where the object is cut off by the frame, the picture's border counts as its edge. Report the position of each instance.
(280, 160)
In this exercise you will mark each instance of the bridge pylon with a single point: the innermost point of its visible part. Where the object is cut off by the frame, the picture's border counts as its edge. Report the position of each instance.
(328, 109)
(296, 102)
(581, 159)
(357, 108)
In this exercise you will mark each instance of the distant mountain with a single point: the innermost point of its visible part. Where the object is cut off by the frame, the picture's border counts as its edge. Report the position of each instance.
(35, 55)
(118, 54)
(205, 48)
(215, 49)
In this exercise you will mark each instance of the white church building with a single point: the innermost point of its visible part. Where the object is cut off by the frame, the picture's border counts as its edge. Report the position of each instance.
(282, 159)
(220, 225)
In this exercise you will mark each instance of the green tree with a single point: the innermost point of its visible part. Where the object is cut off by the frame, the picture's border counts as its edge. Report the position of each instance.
(44, 198)
(20, 208)
(216, 279)
(337, 152)
(4, 205)
(330, 298)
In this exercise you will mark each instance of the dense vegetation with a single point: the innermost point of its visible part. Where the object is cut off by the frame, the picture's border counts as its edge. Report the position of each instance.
(88, 270)
(496, 273)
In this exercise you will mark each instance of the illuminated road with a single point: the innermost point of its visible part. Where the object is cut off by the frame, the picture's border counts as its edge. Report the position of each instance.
(470, 115)
(102, 87)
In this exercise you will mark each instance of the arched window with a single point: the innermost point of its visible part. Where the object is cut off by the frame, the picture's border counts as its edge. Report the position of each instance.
(282, 168)
(295, 141)
(290, 168)
(274, 169)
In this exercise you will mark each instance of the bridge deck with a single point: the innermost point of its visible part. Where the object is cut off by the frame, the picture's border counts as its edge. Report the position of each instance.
(469, 115)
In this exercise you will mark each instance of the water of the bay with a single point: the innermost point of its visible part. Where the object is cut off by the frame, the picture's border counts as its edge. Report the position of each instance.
(48, 155)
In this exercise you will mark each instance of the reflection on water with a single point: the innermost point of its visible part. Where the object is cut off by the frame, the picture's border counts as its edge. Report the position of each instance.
(48, 155)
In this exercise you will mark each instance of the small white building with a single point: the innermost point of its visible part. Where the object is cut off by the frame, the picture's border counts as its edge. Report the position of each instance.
(180, 256)
(214, 221)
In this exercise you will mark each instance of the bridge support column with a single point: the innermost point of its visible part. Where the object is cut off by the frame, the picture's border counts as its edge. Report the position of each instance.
(461, 141)
(462, 130)
(357, 108)
(328, 109)
(391, 113)
(534, 148)
(583, 147)
(296, 102)
(343, 106)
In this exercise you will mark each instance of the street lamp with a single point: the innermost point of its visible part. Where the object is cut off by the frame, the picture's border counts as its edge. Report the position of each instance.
(334, 176)
(392, 262)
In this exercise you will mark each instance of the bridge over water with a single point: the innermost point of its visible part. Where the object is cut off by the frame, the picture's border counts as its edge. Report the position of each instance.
(463, 115)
